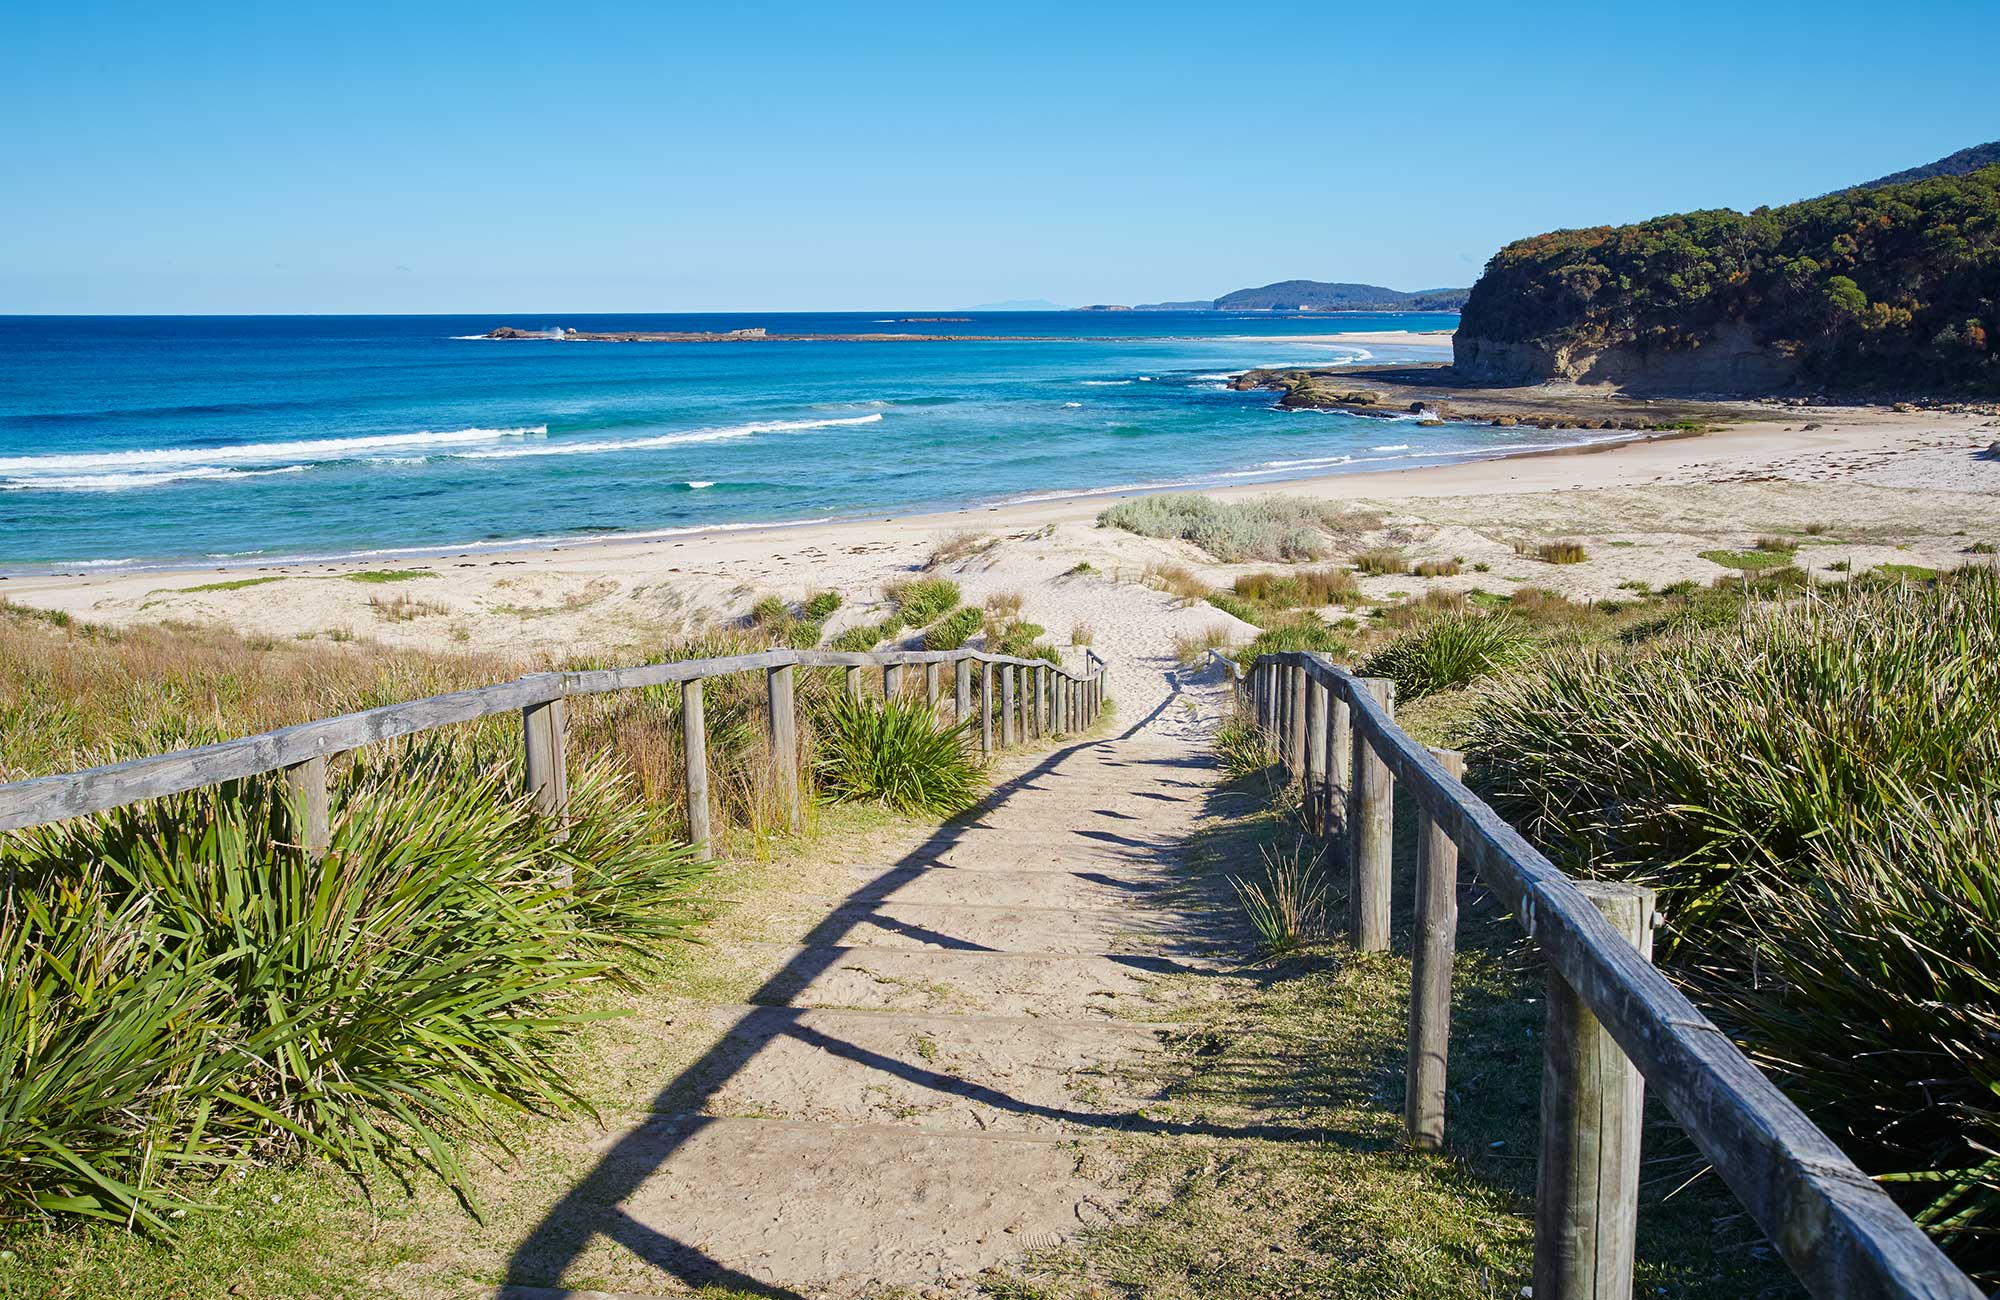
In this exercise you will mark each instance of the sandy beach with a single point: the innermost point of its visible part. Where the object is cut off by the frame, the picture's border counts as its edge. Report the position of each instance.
(1882, 486)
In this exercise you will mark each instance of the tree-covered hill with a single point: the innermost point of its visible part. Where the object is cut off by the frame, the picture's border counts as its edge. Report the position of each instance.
(1319, 295)
(1893, 287)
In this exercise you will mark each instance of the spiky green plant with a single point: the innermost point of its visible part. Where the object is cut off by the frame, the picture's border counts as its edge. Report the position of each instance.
(1286, 904)
(1451, 651)
(1811, 787)
(1241, 746)
(923, 600)
(896, 753)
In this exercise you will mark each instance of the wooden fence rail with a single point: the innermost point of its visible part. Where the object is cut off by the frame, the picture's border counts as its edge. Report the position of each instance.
(300, 752)
(1615, 1024)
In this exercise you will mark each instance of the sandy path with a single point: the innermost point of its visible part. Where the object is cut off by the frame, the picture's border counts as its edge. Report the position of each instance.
(921, 1082)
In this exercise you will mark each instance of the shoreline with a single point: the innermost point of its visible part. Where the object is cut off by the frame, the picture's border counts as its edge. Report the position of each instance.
(1632, 457)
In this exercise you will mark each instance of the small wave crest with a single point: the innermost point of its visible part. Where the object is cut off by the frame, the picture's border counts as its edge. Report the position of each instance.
(725, 433)
(94, 471)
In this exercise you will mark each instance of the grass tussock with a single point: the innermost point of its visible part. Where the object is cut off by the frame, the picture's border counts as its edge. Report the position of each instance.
(958, 547)
(1307, 632)
(955, 629)
(896, 753)
(1440, 568)
(1286, 903)
(1811, 784)
(1233, 532)
(923, 600)
(1450, 652)
(1561, 552)
(1191, 648)
(405, 609)
(1178, 581)
(1305, 589)
(1382, 561)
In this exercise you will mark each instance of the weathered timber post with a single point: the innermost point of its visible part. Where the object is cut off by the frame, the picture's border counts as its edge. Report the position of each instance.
(548, 775)
(1339, 770)
(1295, 720)
(986, 709)
(1315, 764)
(1038, 719)
(1372, 840)
(1432, 951)
(784, 722)
(311, 818)
(854, 683)
(1007, 728)
(892, 681)
(961, 682)
(694, 759)
(931, 683)
(1593, 1101)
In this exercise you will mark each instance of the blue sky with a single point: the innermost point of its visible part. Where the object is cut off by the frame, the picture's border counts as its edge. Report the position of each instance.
(496, 157)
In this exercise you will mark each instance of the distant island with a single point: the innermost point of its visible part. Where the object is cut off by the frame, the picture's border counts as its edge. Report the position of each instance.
(1890, 286)
(1311, 296)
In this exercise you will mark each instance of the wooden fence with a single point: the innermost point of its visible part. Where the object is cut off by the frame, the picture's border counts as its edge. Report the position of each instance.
(1615, 1025)
(1035, 698)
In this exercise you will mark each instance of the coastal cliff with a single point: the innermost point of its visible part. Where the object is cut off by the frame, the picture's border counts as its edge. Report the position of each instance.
(1895, 287)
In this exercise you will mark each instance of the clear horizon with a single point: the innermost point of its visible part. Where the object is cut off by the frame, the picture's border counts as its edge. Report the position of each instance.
(239, 160)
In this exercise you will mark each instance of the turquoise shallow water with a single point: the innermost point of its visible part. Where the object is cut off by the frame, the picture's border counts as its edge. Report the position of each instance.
(127, 441)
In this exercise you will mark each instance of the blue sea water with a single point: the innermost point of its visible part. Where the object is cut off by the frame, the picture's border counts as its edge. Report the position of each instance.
(243, 440)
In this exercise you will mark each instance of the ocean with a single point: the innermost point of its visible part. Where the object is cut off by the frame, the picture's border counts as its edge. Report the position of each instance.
(138, 441)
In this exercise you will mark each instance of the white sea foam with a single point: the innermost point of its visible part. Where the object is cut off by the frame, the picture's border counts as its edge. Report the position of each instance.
(1104, 383)
(724, 434)
(1394, 446)
(129, 481)
(254, 453)
(699, 483)
(1072, 405)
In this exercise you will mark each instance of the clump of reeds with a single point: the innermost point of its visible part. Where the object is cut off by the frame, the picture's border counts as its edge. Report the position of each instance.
(1562, 552)
(955, 629)
(923, 600)
(1304, 589)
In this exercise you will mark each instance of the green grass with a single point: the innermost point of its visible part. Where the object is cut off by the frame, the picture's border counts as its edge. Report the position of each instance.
(388, 575)
(923, 600)
(1750, 560)
(233, 584)
(1382, 561)
(955, 629)
(1304, 633)
(1903, 572)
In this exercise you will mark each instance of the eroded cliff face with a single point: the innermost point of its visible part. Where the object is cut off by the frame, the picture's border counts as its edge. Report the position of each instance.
(1728, 361)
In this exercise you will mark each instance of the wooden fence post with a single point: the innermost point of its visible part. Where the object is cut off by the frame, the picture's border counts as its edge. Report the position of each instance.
(986, 709)
(311, 818)
(1295, 720)
(1593, 1101)
(961, 682)
(694, 759)
(1315, 764)
(931, 682)
(1372, 840)
(1339, 765)
(784, 722)
(892, 681)
(854, 683)
(1431, 955)
(1007, 732)
(1037, 693)
(548, 775)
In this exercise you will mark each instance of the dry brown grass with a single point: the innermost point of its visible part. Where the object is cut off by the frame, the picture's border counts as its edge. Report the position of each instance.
(958, 547)
(405, 609)
(1439, 569)
(1081, 633)
(1562, 552)
(1177, 581)
(1382, 561)
(1191, 648)
(1306, 589)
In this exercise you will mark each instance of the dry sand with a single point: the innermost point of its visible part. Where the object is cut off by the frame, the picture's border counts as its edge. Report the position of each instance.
(1905, 487)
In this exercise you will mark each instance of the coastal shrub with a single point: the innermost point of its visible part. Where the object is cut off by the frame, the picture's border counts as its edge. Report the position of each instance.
(923, 600)
(1812, 787)
(1561, 552)
(370, 1006)
(1449, 653)
(955, 629)
(858, 639)
(1262, 528)
(896, 753)
(769, 610)
(1019, 639)
(1382, 561)
(820, 606)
